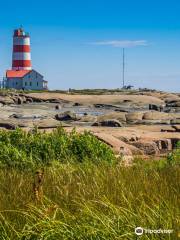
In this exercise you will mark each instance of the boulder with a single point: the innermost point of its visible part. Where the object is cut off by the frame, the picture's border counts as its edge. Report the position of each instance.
(6, 100)
(120, 116)
(134, 116)
(117, 145)
(123, 150)
(148, 147)
(177, 104)
(14, 99)
(164, 145)
(154, 115)
(26, 117)
(67, 116)
(49, 124)
(7, 125)
(88, 118)
(29, 100)
(171, 98)
(129, 138)
(19, 100)
(108, 123)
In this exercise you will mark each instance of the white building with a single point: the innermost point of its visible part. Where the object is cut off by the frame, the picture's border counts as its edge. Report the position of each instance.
(25, 79)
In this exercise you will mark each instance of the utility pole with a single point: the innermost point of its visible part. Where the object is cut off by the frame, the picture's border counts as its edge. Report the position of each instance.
(123, 68)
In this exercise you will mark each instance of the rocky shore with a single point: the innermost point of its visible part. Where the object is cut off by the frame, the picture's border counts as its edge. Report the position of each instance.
(132, 123)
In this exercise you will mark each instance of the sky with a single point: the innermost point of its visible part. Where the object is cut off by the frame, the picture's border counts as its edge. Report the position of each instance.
(78, 43)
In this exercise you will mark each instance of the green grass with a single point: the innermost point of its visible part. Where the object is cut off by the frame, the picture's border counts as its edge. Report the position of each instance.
(101, 91)
(87, 201)
(91, 197)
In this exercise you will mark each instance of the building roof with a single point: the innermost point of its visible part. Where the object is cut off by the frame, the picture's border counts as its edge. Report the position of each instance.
(16, 73)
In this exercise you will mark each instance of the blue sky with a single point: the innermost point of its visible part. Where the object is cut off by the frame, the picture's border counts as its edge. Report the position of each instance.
(78, 44)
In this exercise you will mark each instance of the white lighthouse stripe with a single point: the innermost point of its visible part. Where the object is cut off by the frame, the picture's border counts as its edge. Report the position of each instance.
(21, 56)
(21, 41)
(21, 68)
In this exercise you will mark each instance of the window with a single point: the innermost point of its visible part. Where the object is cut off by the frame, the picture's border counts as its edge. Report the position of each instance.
(16, 83)
(30, 84)
(37, 84)
(25, 83)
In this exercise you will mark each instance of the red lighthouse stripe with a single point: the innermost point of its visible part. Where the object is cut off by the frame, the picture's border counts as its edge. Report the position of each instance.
(21, 48)
(21, 63)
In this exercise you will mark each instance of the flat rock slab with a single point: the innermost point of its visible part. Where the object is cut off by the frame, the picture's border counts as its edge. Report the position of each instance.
(99, 99)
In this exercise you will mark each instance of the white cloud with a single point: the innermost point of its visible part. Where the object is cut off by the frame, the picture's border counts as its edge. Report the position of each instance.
(122, 43)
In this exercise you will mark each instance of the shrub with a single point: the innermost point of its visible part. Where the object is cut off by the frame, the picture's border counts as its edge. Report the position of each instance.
(21, 149)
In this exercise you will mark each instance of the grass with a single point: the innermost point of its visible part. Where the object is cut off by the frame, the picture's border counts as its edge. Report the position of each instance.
(85, 200)
(101, 91)
(73, 91)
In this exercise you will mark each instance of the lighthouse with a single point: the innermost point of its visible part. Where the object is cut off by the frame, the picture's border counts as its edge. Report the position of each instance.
(21, 58)
(22, 76)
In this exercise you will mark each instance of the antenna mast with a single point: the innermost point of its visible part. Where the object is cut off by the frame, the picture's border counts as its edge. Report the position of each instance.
(123, 68)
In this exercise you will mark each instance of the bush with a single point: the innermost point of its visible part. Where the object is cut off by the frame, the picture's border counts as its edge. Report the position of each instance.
(22, 150)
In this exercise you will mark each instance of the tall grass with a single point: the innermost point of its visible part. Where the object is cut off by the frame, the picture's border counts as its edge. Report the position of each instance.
(87, 201)
(83, 200)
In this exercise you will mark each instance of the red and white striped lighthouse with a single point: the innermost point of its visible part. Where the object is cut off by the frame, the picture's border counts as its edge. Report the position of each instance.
(21, 59)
